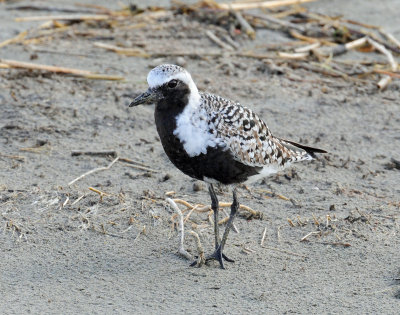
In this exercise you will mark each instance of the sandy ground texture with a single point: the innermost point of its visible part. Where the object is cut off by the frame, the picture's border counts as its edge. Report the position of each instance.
(63, 249)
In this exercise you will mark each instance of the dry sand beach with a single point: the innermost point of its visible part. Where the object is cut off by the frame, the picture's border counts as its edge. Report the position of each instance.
(327, 240)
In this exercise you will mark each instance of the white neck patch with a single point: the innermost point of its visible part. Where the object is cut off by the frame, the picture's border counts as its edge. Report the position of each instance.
(193, 131)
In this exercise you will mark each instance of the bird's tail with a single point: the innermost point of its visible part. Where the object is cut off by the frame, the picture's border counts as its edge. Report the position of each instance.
(310, 150)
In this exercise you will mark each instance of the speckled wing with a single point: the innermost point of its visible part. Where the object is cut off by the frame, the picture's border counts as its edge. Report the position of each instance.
(247, 136)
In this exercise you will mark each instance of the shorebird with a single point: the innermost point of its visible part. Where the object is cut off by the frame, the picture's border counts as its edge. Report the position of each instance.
(214, 139)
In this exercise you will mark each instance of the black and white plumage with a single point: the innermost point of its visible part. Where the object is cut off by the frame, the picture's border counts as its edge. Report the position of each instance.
(214, 139)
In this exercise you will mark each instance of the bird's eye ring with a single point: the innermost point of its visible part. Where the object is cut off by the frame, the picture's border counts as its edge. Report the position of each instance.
(172, 84)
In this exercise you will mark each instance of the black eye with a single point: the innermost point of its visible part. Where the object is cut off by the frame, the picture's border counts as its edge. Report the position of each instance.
(172, 84)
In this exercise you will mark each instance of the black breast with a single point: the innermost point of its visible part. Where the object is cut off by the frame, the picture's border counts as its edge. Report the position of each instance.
(217, 163)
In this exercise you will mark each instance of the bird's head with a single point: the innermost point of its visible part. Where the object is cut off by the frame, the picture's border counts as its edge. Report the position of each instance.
(168, 84)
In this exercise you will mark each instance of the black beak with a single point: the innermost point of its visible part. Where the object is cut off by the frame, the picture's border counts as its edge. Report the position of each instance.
(148, 97)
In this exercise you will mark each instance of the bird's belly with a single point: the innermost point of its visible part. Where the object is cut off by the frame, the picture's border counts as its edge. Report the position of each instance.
(213, 164)
(216, 165)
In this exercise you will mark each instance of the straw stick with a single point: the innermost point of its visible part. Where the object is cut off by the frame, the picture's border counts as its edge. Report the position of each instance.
(94, 171)
(259, 5)
(70, 17)
(135, 52)
(56, 69)
(15, 39)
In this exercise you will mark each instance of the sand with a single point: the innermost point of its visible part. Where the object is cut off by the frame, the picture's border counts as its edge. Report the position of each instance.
(119, 254)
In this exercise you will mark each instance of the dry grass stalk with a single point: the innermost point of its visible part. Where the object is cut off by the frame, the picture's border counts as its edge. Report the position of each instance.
(55, 69)
(15, 39)
(68, 17)
(132, 52)
(142, 168)
(217, 41)
(202, 259)
(308, 235)
(189, 213)
(309, 39)
(272, 194)
(270, 19)
(181, 249)
(101, 193)
(14, 157)
(263, 237)
(259, 5)
(245, 25)
(307, 48)
(112, 153)
(386, 79)
(391, 38)
(298, 55)
(391, 74)
(94, 171)
(384, 82)
(393, 63)
(77, 200)
(130, 161)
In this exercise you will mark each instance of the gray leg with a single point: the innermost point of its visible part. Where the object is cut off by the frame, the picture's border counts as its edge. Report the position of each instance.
(218, 254)
(214, 207)
(234, 208)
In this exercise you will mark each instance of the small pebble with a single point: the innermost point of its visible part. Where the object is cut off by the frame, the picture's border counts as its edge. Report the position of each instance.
(156, 62)
(180, 61)
(197, 186)
(165, 177)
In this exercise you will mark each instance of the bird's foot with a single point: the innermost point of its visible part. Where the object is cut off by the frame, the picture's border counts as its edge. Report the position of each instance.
(217, 255)
(220, 257)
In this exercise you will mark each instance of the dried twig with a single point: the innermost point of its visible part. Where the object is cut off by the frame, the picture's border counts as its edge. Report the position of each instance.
(142, 231)
(388, 73)
(217, 41)
(142, 168)
(94, 171)
(135, 52)
(65, 202)
(55, 69)
(384, 82)
(307, 48)
(308, 235)
(287, 25)
(101, 193)
(258, 5)
(94, 153)
(130, 161)
(335, 244)
(77, 200)
(202, 259)
(72, 17)
(263, 236)
(245, 25)
(38, 7)
(181, 249)
(298, 55)
(390, 36)
(13, 157)
(15, 39)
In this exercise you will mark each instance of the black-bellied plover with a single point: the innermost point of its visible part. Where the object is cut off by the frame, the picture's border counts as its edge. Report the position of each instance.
(214, 139)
